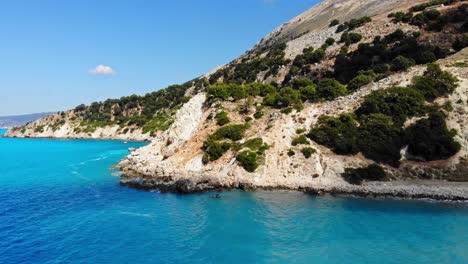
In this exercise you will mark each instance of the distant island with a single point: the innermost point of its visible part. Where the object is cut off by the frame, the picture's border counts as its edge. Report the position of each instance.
(19, 120)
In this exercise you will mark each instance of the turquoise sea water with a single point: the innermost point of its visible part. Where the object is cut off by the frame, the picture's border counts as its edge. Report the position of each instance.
(60, 204)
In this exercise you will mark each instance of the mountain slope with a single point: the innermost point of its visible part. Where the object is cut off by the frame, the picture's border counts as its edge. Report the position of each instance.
(311, 106)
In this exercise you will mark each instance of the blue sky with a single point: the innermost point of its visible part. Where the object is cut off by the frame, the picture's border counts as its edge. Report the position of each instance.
(49, 48)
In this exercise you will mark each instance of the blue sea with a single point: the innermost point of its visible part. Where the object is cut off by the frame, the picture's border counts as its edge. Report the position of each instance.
(59, 203)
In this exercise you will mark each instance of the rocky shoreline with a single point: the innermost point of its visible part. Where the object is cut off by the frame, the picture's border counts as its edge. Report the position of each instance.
(417, 189)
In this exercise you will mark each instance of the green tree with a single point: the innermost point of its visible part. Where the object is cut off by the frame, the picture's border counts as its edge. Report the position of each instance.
(339, 134)
(334, 22)
(380, 139)
(329, 89)
(308, 93)
(359, 81)
(401, 63)
(429, 139)
(248, 160)
(435, 82)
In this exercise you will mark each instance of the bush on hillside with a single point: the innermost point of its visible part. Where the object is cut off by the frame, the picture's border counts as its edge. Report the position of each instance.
(248, 160)
(214, 150)
(359, 81)
(401, 63)
(380, 139)
(401, 17)
(300, 140)
(373, 172)
(339, 134)
(435, 82)
(334, 22)
(429, 139)
(232, 132)
(301, 82)
(308, 93)
(330, 41)
(330, 89)
(423, 6)
(461, 42)
(397, 102)
(286, 97)
(307, 152)
(253, 144)
(222, 118)
(350, 38)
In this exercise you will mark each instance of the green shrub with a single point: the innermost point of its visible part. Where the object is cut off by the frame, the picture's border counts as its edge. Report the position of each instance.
(308, 93)
(238, 92)
(300, 131)
(431, 14)
(214, 150)
(219, 90)
(435, 82)
(300, 140)
(380, 139)
(353, 24)
(397, 102)
(359, 81)
(381, 68)
(161, 122)
(258, 115)
(400, 49)
(232, 132)
(334, 22)
(339, 134)
(330, 41)
(254, 89)
(248, 160)
(350, 38)
(253, 144)
(287, 110)
(419, 20)
(356, 23)
(423, 6)
(222, 118)
(330, 89)
(402, 17)
(39, 129)
(291, 153)
(286, 97)
(308, 57)
(80, 108)
(402, 63)
(344, 50)
(373, 172)
(265, 89)
(301, 82)
(341, 28)
(461, 42)
(429, 139)
(307, 152)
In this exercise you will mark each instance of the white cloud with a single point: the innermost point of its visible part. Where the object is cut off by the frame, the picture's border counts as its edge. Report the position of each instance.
(102, 70)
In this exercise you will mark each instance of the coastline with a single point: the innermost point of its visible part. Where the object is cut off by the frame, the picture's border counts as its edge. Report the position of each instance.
(8, 133)
(83, 138)
(434, 190)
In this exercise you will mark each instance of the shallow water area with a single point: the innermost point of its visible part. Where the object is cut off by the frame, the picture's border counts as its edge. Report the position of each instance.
(61, 204)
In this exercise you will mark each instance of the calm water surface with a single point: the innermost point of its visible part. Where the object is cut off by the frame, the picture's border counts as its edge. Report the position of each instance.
(60, 204)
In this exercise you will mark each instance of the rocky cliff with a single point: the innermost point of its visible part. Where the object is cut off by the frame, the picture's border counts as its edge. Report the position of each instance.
(281, 115)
